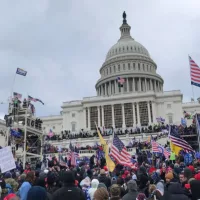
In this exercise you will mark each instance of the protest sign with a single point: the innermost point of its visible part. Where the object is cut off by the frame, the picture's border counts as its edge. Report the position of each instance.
(7, 162)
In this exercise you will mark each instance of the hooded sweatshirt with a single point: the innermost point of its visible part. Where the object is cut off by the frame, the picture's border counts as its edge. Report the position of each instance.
(132, 191)
(94, 185)
(176, 192)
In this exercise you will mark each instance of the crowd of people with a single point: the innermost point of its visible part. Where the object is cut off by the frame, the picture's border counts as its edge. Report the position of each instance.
(173, 178)
(67, 134)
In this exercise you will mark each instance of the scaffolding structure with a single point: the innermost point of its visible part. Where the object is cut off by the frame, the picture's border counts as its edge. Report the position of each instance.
(30, 142)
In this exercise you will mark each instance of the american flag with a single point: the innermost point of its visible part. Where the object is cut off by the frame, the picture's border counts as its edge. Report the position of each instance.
(50, 134)
(120, 81)
(15, 94)
(194, 73)
(73, 154)
(157, 148)
(119, 152)
(35, 100)
(178, 141)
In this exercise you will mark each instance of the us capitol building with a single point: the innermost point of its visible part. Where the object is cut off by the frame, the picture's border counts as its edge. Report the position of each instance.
(138, 103)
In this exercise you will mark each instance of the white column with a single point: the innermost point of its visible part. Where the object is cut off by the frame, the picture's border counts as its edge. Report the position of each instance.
(116, 87)
(110, 85)
(113, 117)
(138, 114)
(98, 109)
(89, 126)
(84, 118)
(102, 111)
(154, 112)
(127, 85)
(123, 117)
(106, 93)
(155, 89)
(134, 120)
(133, 84)
(151, 84)
(145, 83)
(149, 112)
(139, 85)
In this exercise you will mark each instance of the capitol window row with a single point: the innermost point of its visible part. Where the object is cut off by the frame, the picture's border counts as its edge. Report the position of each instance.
(128, 49)
(128, 66)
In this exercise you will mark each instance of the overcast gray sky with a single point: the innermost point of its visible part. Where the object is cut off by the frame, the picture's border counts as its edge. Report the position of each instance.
(63, 43)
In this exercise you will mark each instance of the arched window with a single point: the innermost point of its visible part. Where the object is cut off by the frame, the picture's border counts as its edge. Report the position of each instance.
(110, 70)
(133, 66)
(73, 125)
(107, 71)
(118, 67)
(129, 66)
(114, 69)
(143, 68)
(124, 67)
(138, 66)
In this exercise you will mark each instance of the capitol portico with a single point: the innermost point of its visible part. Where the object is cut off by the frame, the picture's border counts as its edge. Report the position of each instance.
(138, 103)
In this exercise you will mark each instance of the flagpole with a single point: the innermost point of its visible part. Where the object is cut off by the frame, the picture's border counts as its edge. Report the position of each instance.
(13, 84)
(193, 92)
(191, 79)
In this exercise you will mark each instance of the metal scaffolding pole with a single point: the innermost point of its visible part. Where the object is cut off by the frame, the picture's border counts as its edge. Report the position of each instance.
(25, 137)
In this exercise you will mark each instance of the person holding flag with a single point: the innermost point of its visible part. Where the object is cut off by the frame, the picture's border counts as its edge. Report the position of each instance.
(110, 164)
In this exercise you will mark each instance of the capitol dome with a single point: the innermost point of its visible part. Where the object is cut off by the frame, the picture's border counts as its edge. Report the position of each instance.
(130, 61)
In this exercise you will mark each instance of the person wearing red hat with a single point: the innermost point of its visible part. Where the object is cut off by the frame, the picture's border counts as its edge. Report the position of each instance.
(11, 197)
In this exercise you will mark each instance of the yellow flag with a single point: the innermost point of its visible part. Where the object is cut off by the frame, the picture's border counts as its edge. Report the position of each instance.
(175, 148)
(110, 164)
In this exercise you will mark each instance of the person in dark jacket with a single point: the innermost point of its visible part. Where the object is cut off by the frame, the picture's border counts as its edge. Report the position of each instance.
(132, 191)
(104, 179)
(176, 192)
(69, 190)
(37, 192)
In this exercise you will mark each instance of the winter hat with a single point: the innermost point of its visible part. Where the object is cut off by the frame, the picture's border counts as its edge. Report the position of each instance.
(132, 185)
(113, 181)
(187, 173)
(191, 168)
(105, 168)
(169, 176)
(94, 183)
(37, 192)
(141, 196)
(68, 177)
(8, 197)
(102, 171)
(51, 178)
(197, 176)
(115, 190)
(102, 185)
(8, 175)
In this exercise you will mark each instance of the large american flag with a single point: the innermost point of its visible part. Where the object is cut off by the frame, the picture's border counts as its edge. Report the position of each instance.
(178, 141)
(157, 148)
(119, 152)
(194, 73)
(73, 154)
